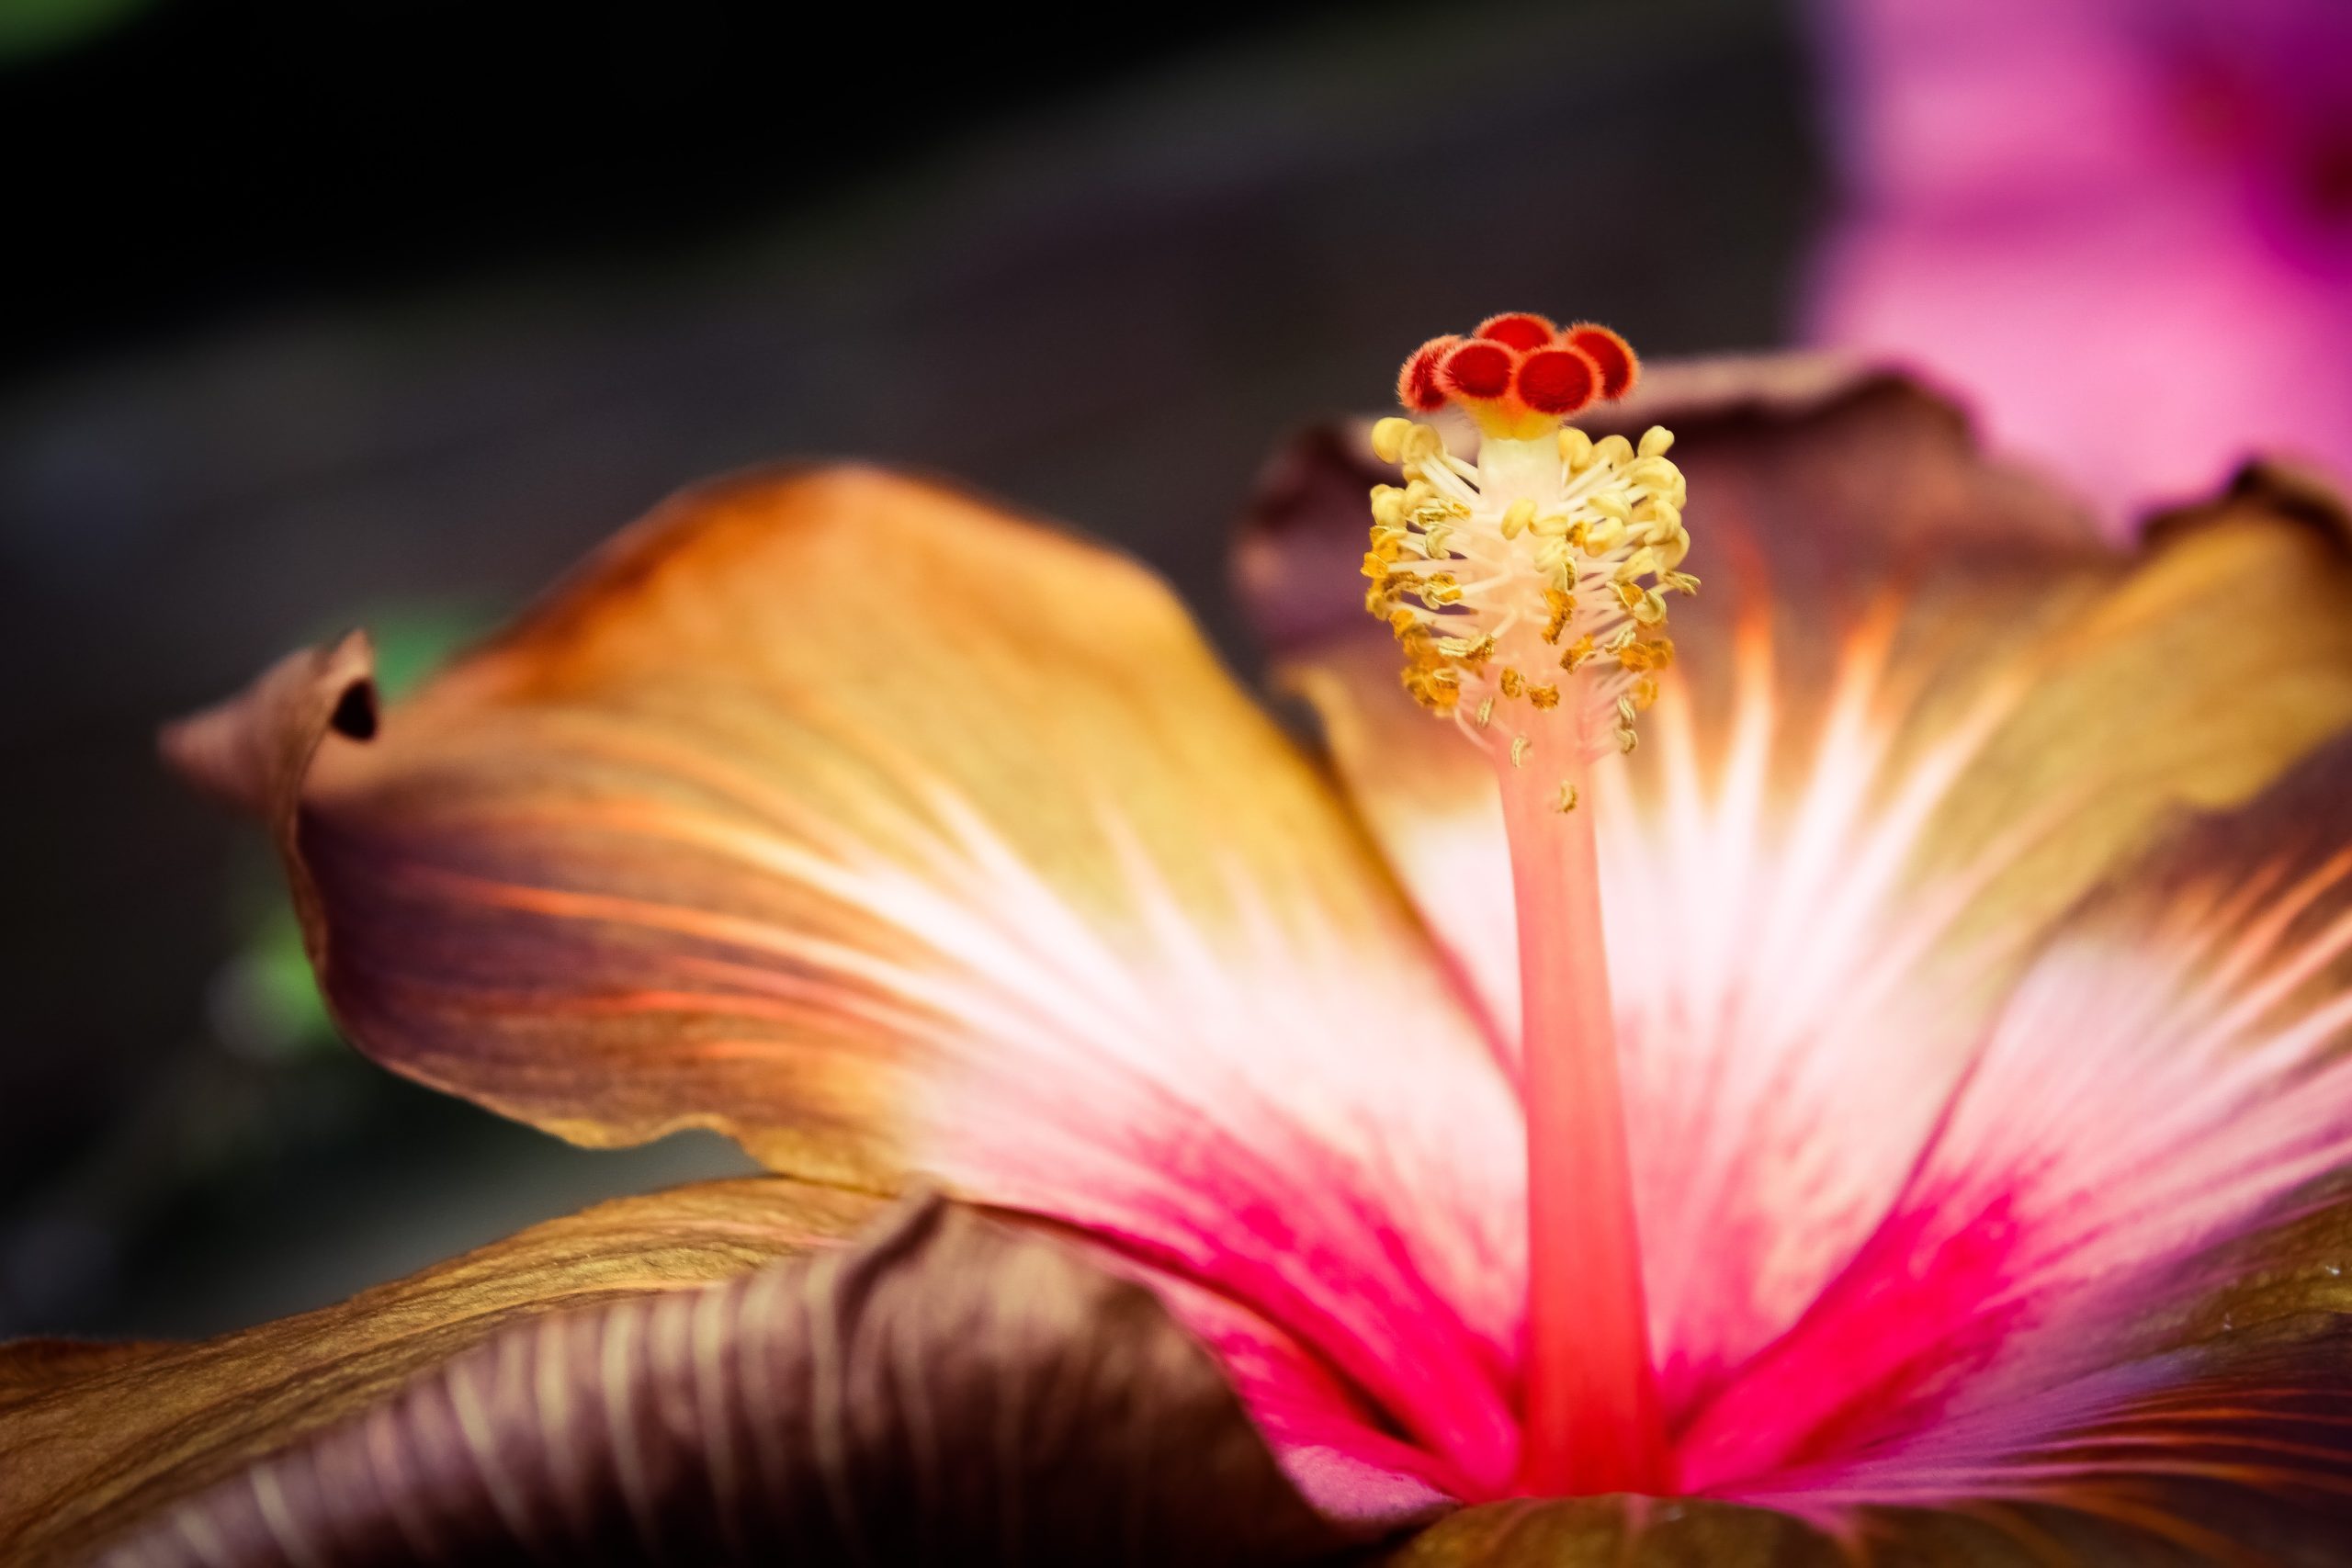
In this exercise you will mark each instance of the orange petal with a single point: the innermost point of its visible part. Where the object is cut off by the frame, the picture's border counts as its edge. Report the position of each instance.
(93, 1438)
(887, 831)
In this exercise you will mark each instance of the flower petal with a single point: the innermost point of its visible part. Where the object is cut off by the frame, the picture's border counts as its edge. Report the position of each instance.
(948, 1390)
(2044, 199)
(1347, 1461)
(888, 832)
(1920, 711)
(2119, 1261)
(93, 1437)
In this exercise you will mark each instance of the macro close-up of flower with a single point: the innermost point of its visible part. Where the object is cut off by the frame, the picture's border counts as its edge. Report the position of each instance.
(1567, 785)
(1779, 1000)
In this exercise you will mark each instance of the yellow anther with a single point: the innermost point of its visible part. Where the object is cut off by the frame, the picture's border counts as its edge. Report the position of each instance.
(1637, 657)
(1645, 604)
(1471, 562)
(1562, 607)
(1420, 445)
(1626, 740)
(1658, 517)
(1434, 689)
(1567, 801)
(1654, 475)
(1640, 564)
(1470, 650)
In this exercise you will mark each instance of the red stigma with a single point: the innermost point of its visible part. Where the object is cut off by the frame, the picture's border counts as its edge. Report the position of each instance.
(1620, 368)
(1416, 385)
(1558, 380)
(1478, 370)
(1522, 330)
(1520, 375)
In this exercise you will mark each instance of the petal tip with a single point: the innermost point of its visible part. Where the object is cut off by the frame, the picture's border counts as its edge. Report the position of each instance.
(251, 751)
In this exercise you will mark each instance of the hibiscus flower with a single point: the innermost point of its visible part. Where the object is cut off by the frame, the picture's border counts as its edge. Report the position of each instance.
(2165, 190)
(1863, 1072)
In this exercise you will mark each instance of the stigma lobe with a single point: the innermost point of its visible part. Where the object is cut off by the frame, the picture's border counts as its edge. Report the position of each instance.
(1519, 375)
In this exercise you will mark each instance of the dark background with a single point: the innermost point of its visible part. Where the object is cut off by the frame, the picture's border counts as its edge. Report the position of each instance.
(368, 311)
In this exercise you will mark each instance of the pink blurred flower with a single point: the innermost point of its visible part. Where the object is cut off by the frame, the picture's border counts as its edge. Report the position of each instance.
(2122, 229)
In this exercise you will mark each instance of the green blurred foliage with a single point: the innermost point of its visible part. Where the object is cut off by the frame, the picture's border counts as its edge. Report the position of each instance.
(30, 28)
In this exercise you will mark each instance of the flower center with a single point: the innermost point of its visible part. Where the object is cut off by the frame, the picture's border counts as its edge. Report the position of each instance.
(1528, 593)
(1546, 561)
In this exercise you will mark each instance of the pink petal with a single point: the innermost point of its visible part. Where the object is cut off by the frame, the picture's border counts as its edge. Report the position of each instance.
(2167, 1074)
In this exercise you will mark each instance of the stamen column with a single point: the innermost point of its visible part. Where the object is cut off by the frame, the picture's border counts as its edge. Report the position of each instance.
(1592, 1420)
(1527, 592)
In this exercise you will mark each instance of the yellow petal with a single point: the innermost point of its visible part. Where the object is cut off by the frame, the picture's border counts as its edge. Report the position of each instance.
(887, 831)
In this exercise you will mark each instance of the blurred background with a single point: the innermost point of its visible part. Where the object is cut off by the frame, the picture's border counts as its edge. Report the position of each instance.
(382, 314)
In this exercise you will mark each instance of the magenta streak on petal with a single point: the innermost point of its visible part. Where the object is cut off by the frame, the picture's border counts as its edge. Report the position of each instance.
(1909, 1317)
(1341, 1454)
(2130, 1108)
(1331, 1150)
